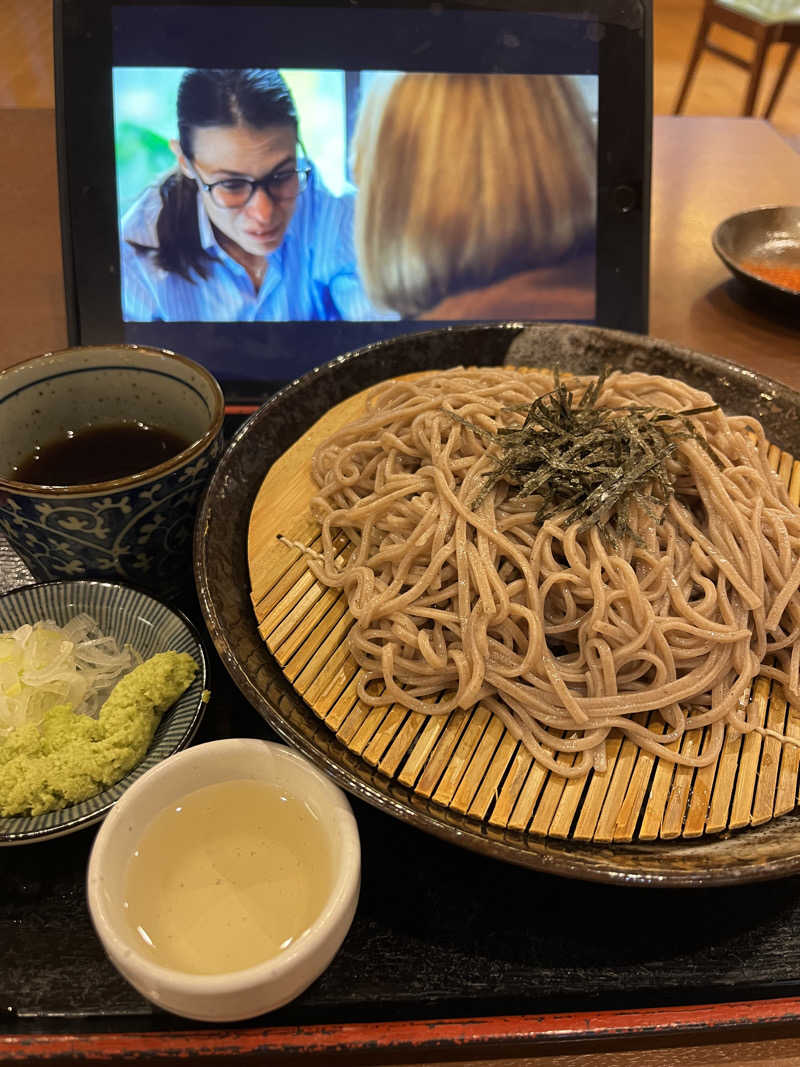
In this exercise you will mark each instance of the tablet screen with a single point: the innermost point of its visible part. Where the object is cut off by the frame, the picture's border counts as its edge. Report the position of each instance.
(293, 182)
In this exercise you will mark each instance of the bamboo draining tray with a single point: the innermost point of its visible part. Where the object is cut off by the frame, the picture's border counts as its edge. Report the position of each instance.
(467, 761)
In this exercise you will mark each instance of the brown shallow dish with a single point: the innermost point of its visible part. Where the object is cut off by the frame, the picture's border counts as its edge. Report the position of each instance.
(769, 851)
(769, 237)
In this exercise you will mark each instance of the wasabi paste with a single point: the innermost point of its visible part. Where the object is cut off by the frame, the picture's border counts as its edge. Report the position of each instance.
(70, 757)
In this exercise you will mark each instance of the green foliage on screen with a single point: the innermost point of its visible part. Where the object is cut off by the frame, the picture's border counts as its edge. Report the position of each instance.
(144, 120)
(142, 157)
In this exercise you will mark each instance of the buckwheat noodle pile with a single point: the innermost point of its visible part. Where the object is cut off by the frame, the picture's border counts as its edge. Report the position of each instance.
(563, 634)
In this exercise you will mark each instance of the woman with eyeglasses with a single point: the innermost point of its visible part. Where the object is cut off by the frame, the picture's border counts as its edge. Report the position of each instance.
(243, 230)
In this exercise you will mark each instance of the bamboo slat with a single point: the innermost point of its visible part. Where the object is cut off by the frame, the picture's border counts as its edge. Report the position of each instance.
(489, 789)
(564, 815)
(697, 815)
(786, 793)
(511, 787)
(599, 784)
(476, 772)
(421, 752)
(467, 760)
(631, 806)
(609, 813)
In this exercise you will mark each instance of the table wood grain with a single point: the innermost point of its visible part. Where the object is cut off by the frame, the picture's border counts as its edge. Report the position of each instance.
(704, 169)
(32, 312)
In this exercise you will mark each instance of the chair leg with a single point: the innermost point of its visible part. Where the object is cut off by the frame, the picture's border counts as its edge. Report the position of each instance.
(784, 74)
(756, 69)
(699, 45)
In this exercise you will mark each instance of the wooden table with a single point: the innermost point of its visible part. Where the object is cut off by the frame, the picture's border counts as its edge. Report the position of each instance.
(32, 315)
(703, 171)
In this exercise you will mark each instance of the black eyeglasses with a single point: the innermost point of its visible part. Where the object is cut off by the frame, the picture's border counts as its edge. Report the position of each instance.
(286, 183)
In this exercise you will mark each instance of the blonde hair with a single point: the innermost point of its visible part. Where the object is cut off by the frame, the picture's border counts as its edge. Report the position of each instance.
(466, 178)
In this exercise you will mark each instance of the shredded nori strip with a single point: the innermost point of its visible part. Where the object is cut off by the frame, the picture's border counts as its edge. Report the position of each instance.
(593, 462)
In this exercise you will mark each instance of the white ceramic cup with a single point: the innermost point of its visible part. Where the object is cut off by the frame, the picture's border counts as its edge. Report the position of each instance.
(261, 988)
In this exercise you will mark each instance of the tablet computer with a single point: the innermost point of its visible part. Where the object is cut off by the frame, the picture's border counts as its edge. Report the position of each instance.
(264, 185)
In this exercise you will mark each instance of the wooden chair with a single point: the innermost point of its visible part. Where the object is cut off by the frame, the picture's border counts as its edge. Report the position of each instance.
(766, 22)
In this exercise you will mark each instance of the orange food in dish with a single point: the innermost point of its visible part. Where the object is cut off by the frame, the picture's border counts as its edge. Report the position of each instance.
(788, 277)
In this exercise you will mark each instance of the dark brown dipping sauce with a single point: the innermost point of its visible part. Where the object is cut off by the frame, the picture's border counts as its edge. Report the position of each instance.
(99, 454)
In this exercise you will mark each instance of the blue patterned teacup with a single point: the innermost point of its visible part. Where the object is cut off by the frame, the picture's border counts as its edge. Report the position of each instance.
(137, 527)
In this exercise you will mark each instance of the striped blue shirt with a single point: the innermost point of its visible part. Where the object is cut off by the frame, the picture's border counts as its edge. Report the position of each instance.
(311, 276)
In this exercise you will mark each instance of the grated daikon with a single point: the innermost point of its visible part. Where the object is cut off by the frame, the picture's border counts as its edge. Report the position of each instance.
(45, 665)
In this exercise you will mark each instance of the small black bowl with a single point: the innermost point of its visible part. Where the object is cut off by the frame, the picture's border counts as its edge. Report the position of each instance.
(768, 236)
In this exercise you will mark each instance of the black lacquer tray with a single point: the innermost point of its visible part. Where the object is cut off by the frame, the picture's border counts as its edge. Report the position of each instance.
(440, 932)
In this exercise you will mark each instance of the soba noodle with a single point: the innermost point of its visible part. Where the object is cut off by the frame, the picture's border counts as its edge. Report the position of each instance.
(563, 637)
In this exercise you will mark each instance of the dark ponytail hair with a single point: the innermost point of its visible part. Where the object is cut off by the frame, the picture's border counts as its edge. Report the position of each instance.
(256, 98)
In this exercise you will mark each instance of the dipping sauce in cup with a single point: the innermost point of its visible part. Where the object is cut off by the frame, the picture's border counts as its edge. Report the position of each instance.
(105, 453)
(99, 454)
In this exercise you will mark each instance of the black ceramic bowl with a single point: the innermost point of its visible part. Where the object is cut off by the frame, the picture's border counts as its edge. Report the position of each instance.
(221, 571)
(768, 237)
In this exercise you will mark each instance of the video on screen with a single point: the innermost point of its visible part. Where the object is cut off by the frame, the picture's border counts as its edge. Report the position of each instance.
(262, 195)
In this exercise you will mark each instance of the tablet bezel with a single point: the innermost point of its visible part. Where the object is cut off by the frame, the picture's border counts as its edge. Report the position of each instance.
(87, 179)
